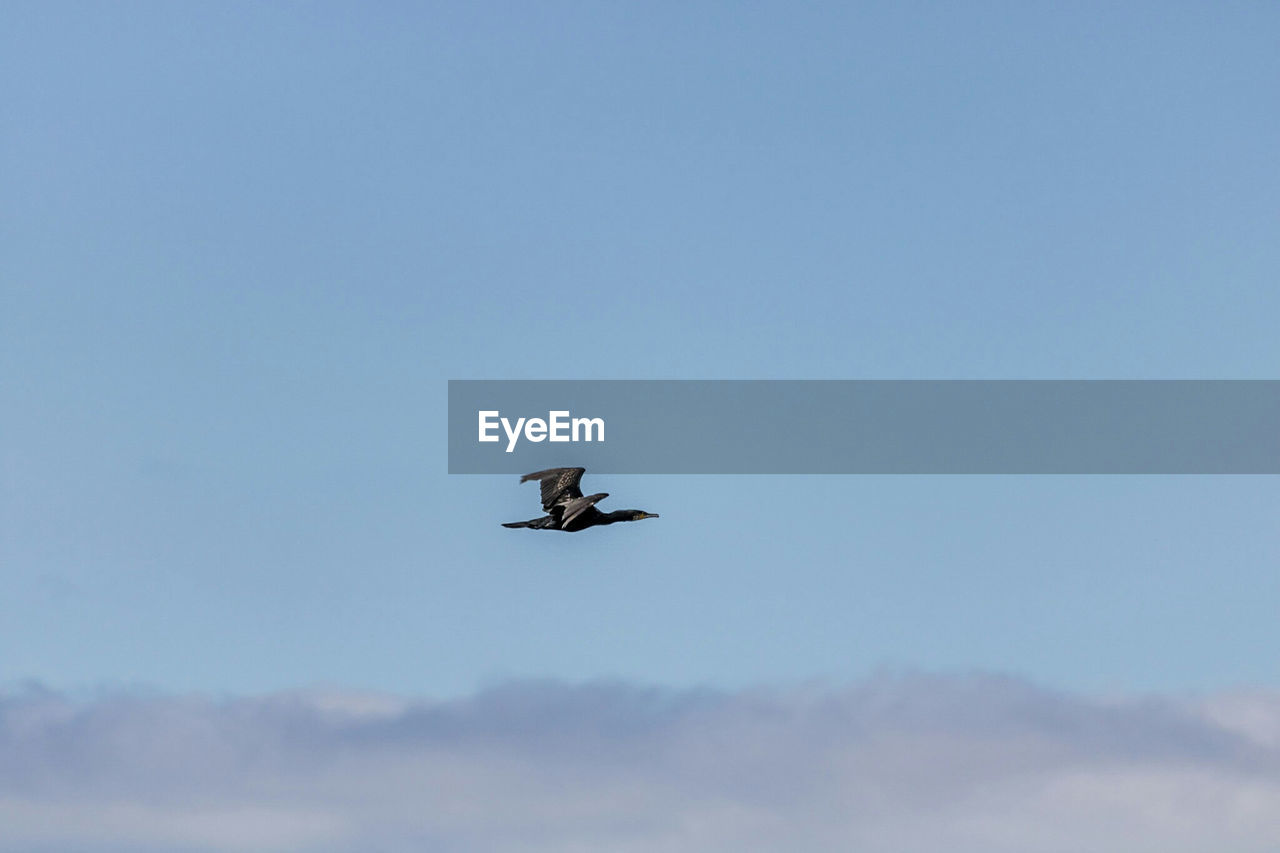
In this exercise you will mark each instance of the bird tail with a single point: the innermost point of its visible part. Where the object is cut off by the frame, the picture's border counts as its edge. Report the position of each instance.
(536, 523)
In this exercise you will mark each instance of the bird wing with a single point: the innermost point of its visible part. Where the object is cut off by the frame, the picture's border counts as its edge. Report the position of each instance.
(558, 485)
(571, 509)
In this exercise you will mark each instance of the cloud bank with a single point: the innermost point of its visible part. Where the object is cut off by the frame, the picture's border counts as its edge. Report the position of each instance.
(898, 763)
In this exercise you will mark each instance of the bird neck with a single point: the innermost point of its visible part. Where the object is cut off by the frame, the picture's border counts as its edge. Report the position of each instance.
(616, 515)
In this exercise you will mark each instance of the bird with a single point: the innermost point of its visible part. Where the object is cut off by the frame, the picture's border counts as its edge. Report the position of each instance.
(566, 507)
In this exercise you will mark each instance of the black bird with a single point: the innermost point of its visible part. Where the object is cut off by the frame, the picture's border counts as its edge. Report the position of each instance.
(567, 509)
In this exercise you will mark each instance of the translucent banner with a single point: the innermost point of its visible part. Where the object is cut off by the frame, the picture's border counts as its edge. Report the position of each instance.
(866, 426)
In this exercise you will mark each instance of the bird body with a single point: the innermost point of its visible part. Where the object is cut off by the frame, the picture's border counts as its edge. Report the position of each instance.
(567, 508)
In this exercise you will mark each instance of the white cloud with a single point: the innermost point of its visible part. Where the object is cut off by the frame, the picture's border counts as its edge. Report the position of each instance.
(902, 764)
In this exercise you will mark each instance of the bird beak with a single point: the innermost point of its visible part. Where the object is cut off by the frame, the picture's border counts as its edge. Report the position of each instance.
(650, 515)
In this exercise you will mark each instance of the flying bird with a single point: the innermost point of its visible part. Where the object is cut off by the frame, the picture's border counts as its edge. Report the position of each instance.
(566, 507)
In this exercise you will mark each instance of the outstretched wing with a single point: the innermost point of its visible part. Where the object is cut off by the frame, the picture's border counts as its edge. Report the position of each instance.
(558, 485)
(571, 509)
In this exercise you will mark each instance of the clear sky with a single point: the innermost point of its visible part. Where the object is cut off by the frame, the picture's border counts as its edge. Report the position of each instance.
(244, 246)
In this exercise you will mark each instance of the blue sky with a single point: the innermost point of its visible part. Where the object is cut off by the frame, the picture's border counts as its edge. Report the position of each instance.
(244, 246)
